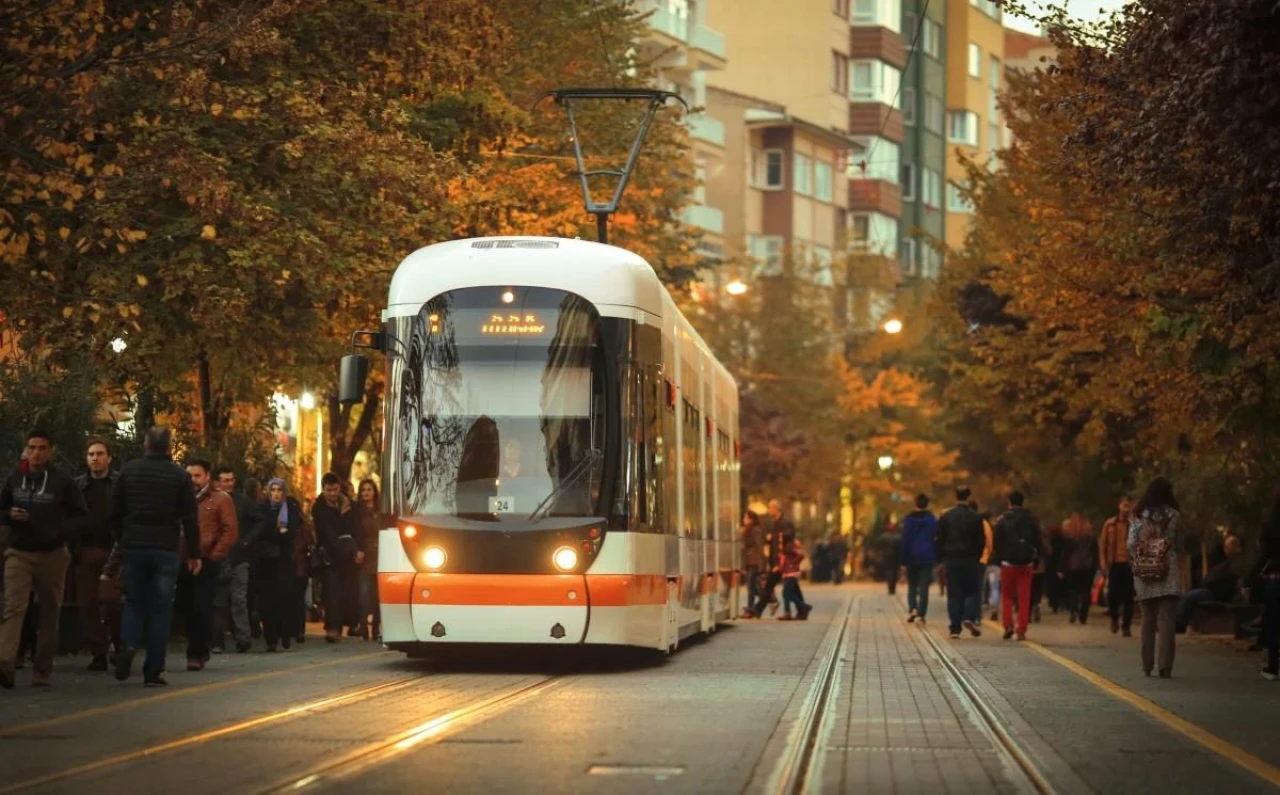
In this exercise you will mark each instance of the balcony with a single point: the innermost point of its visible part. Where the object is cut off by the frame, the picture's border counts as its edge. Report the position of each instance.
(708, 218)
(664, 20)
(704, 128)
(708, 40)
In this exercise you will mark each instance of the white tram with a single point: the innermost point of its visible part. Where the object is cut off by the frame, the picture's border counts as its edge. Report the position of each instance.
(561, 452)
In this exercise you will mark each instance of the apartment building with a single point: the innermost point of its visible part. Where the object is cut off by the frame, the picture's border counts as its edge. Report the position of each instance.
(975, 74)
(1026, 52)
(685, 50)
(924, 145)
(786, 188)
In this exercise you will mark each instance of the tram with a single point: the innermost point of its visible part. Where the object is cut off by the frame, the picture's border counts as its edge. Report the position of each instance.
(561, 453)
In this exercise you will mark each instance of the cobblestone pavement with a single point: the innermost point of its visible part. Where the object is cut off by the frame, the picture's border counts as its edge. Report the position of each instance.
(720, 716)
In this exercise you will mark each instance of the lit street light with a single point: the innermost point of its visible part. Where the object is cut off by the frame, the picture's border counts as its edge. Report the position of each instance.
(308, 401)
(892, 326)
(735, 287)
(118, 345)
(885, 461)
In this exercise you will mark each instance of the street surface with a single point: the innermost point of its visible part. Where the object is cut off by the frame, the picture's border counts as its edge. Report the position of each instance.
(852, 701)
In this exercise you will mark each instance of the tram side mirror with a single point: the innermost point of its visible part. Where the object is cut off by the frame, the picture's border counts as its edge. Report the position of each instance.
(352, 374)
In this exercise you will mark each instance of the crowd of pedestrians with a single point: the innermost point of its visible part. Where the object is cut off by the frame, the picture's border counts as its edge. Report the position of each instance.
(1139, 554)
(155, 541)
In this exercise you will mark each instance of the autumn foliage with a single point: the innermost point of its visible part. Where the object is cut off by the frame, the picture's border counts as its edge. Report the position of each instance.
(1114, 314)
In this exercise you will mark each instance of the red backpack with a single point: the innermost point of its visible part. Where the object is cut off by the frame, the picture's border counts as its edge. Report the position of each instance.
(1151, 553)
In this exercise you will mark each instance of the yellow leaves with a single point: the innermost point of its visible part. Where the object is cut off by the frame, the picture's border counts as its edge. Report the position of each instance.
(67, 312)
(158, 73)
(209, 232)
(240, 114)
(133, 235)
(142, 280)
(122, 248)
(88, 135)
(216, 109)
(64, 232)
(128, 310)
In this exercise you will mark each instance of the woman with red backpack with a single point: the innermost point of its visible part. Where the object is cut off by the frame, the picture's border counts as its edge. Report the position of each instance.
(1155, 534)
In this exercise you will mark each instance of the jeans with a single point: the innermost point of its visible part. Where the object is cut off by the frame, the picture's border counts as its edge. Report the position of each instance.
(1271, 622)
(752, 573)
(919, 578)
(1187, 606)
(1158, 615)
(240, 603)
(369, 605)
(1120, 594)
(1015, 583)
(766, 593)
(150, 578)
(1079, 592)
(791, 595)
(964, 593)
(994, 582)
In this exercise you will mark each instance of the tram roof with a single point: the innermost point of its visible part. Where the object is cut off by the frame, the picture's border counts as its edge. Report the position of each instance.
(604, 275)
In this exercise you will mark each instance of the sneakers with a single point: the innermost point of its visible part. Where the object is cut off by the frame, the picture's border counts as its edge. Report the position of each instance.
(1115, 626)
(195, 665)
(911, 618)
(1008, 633)
(1022, 636)
(1126, 633)
(124, 664)
(243, 647)
(803, 613)
(155, 681)
(41, 680)
(1270, 674)
(785, 617)
(99, 663)
(973, 629)
(955, 636)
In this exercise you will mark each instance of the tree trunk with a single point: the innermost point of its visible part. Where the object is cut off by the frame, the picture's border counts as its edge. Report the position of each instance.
(344, 441)
(213, 418)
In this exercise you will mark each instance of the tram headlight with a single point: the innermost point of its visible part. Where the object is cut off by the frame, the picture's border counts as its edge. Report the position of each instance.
(410, 531)
(565, 559)
(434, 558)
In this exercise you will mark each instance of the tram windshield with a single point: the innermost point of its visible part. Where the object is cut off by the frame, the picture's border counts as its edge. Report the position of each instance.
(497, 416)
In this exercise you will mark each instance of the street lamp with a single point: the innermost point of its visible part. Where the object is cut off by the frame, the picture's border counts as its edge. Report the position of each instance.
(118, 345)
(892, 326)
(885, 461)
(735, 287)
(308, 401)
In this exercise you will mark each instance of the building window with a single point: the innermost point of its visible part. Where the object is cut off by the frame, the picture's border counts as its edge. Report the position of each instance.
(840, 8)
(975, 61)
(929, 37)
(993, 74)
(909, 107)
(879, 160)
(840, 73)
(822, 181)
(767, 249)
(879, 13)
(766, 169)
(993, 138)
(874, 81)
(909, 256)
(873, 233)
(802, 177)
(908, 182)
(933, 113)
(963, 127)
(822, 265)
(931, 188)
(956, 200)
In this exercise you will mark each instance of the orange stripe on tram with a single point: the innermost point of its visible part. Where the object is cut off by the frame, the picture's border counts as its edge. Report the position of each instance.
(622, 590)
(507, 590)
(395, 588)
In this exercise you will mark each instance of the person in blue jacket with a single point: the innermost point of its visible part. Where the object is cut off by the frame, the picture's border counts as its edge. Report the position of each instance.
(918, 556)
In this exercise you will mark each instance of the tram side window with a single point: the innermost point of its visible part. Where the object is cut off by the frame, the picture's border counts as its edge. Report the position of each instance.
(647, 432)
(692, 470)
(667, 470)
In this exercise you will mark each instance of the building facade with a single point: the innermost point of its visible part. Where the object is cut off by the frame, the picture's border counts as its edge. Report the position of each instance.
(684, 50)
(924, 146)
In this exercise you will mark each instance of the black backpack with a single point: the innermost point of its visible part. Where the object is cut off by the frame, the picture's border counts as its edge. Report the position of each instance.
(1021, 540)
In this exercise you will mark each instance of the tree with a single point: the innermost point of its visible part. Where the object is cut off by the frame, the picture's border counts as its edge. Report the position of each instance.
(1113, 313)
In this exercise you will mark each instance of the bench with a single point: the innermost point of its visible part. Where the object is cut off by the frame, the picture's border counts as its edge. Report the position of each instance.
(1223, 618)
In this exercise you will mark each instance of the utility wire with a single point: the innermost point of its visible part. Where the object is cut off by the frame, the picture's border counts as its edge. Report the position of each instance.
(604, 43)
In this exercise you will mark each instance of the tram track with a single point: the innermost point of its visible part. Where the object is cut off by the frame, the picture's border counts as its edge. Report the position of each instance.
(1022, 768)
(426, 733)
(798, 770)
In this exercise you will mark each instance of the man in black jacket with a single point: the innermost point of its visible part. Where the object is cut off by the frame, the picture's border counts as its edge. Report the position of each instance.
(152, 507)
(253, 524)
(91, 557)
(961, 539)
(1017, 545)
(41, 515)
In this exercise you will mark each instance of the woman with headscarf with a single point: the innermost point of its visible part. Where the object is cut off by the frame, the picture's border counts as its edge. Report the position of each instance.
(273, 575)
